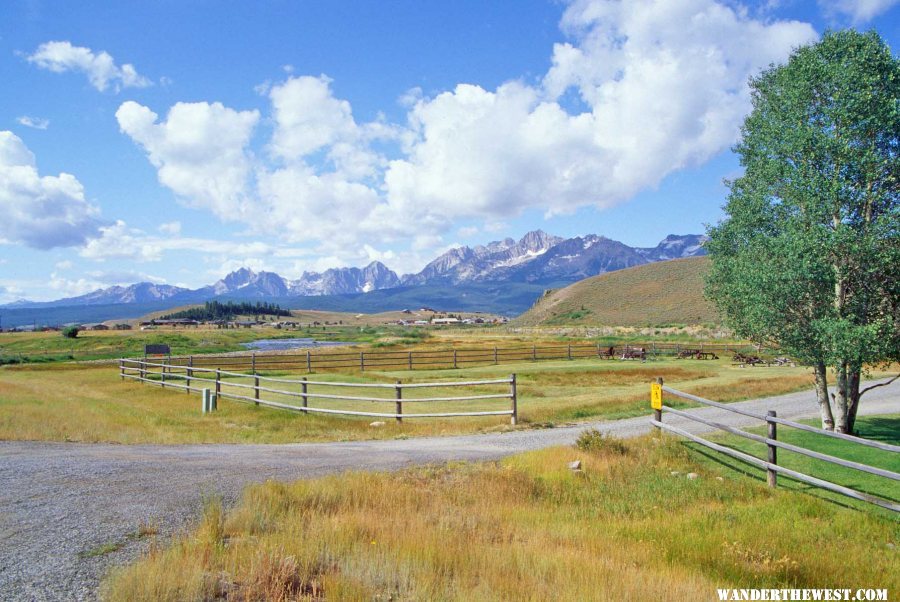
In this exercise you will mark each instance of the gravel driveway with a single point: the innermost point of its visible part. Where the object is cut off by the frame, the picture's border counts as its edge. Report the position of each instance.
(69, 511)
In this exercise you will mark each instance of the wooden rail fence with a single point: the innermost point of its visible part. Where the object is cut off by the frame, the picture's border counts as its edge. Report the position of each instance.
(770, 464)
(279, 392)
(311, 361)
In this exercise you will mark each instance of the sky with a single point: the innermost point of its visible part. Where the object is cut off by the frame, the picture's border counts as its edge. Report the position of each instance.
(177, 140)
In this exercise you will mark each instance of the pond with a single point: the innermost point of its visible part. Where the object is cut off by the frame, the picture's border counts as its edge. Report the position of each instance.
(285, 344)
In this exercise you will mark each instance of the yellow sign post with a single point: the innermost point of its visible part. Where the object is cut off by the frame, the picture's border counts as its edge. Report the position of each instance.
(656, 396)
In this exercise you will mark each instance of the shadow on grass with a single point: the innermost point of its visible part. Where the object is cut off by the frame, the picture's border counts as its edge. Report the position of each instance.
(747, 470)
(881, 428)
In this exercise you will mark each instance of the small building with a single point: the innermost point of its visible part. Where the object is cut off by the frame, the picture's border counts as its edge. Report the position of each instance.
(123, 326)
(439, 321)
(176, 322)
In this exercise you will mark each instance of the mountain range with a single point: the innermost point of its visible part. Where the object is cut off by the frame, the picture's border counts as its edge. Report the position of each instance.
(537, 258)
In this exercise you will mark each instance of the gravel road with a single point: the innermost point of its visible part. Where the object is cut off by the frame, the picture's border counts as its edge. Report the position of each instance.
(61, 503)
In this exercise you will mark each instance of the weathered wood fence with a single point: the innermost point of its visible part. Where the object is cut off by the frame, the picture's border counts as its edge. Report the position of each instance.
(283, 393)
(313, 361)
(770, 464)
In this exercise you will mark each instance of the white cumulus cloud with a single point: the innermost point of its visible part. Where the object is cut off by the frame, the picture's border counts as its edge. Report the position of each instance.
(859, 11)
(99, 67)
(41, 211)
(638, 90)
(200, 151)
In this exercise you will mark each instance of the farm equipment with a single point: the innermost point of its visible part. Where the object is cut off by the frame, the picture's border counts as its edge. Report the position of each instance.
(747, 360)
(633, 353)
(697, 354)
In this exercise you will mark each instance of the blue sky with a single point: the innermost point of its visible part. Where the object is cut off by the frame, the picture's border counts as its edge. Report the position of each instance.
(175, 141)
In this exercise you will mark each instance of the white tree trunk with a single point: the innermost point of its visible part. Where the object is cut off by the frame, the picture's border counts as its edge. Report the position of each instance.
(822, 396)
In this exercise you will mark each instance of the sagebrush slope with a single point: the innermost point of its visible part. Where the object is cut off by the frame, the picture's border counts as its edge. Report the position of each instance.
(656, 294)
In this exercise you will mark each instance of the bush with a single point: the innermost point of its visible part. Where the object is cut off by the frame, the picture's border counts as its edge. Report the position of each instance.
(596, 442)
(70, 332)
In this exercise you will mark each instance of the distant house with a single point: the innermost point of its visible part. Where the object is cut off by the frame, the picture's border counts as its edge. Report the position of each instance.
(123, 326)
(445, 321)
(94, 327)
(176, 322)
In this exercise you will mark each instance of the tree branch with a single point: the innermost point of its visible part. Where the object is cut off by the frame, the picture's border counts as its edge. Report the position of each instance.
(887, 382)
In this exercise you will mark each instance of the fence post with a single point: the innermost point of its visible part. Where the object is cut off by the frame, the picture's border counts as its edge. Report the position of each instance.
(362, 361)
(514, 395)
(218, 381)
(162, 373)
(454, 359)
(410, 360)
(204, 401)
(256, 387)
(303, 391)
(190, 373)
(253, 362)
(495, 355)
(569, 350)
(771, 475)
(398, 393)
(143, 364)
(308, 362)
(534, 353)
(122, 369)
(657, 414)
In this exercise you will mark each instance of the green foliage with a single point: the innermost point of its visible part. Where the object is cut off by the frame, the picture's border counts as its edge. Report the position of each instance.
(808, 257)
(596, 442)
(70, 332)
(215, 310)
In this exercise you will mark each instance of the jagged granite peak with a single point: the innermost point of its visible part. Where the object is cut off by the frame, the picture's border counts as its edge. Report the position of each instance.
(339, 281)
(676, 246)
(538, 240)
(464, 264)
(536, 258)
(246, 283)
(437, 268)
(494, 247)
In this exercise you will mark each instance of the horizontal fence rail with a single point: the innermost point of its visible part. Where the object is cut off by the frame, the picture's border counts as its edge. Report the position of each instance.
(280, 392)
(770, 464)
(312, 361)
(319, 360)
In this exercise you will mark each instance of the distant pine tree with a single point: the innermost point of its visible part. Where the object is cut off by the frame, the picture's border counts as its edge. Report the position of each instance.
(215, 310)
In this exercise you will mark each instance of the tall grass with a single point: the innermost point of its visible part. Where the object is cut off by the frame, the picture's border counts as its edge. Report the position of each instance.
(89, 403)
(628, 526)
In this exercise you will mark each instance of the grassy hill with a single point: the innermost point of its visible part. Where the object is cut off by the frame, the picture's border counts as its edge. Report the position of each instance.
(657, 294)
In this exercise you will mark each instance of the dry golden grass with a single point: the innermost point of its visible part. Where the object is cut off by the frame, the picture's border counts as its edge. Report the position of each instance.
(89, 403)
(527, 528)
(657, 294)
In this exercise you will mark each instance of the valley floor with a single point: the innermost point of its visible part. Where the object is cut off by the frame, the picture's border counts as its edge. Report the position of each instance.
(70, 511)
(89, 403)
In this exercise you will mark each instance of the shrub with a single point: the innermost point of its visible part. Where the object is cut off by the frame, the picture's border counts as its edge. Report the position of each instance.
(596, 442)
(70, 332)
